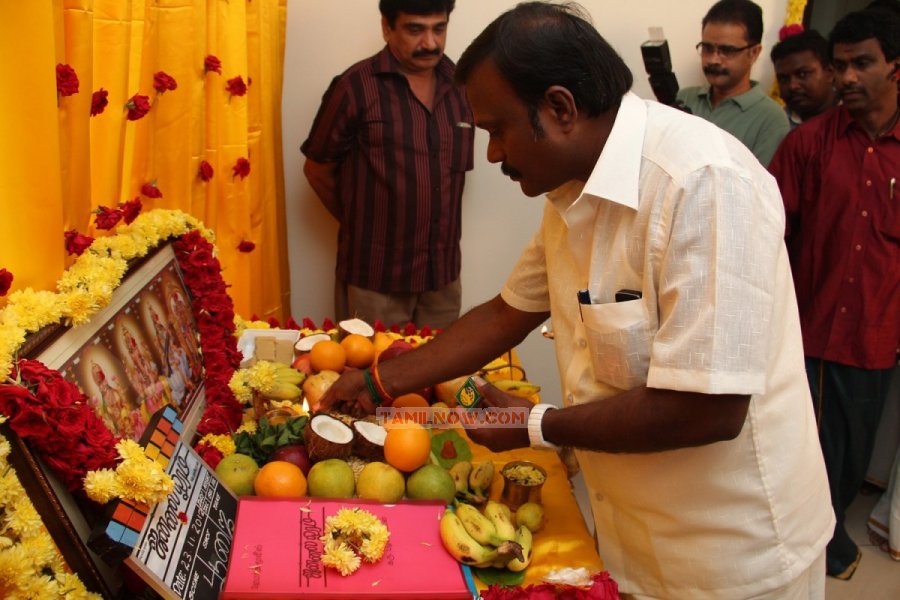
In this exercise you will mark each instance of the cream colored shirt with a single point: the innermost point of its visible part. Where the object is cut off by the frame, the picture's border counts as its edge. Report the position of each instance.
(681, 211)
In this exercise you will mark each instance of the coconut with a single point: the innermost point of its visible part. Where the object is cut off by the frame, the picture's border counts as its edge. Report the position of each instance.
(327, 437)
(305, 344)
(357, 326)
(369, 440)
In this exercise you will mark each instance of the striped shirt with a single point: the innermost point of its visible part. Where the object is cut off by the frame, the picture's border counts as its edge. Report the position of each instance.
(400, 177)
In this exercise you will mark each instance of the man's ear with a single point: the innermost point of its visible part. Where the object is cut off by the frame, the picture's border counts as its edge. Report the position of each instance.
(561, 104)
(385, 28)
(755, 52)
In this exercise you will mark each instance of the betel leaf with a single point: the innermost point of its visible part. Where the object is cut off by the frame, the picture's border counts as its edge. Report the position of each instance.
(449, 440)
(505, 577)
(261, 444)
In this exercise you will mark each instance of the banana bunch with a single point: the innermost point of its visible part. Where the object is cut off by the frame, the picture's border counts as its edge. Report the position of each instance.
(473, 482)
(286, 383)
(517, 387)
(458, 534)
(501, 368)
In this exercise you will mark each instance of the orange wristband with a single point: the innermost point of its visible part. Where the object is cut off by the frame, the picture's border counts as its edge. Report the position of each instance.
(386, 398)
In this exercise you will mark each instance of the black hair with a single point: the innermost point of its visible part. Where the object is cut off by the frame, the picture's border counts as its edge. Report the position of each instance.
(391, 8)
(878, 23)
(738, 12)
(810, 40)
(537, 45)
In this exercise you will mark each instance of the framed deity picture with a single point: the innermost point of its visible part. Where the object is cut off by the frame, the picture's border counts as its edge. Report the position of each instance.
(138, 356)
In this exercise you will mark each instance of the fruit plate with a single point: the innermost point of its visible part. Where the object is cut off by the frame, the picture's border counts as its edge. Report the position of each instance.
(276, 553)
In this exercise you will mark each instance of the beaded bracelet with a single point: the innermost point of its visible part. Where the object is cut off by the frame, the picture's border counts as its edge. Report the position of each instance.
(387, 399)
(370, 385)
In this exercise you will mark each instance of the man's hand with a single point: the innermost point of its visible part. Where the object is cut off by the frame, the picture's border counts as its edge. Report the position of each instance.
(494, 437)
(348, 395)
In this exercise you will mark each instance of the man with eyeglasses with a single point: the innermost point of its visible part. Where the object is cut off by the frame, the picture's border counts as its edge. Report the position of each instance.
(731, 35)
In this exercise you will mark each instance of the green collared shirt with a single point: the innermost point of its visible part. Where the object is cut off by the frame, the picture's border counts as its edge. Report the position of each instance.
(752, 117)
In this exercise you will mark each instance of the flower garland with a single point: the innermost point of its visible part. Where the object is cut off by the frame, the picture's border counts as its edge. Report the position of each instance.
(352, 535)
(31, 565)
(138, 477)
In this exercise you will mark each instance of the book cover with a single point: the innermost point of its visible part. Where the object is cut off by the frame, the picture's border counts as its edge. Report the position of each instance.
(276, 553)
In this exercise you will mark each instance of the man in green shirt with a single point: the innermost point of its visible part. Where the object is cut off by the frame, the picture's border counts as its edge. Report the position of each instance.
(731, 35)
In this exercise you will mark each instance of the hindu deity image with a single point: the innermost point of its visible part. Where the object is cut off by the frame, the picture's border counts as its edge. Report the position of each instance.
(141, 368)
(169, 348)
(183, 323)
(99, 377)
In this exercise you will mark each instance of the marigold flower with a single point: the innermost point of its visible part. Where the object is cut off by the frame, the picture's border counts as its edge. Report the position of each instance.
(241, 168)
(162, 81)
(137, 106)
(205, 171)
(236, 86)
(99, 100)
(66, 80)
(212, 63)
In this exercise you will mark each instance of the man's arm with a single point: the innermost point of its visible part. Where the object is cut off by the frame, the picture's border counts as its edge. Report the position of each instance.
(480, 335)
(323, 179)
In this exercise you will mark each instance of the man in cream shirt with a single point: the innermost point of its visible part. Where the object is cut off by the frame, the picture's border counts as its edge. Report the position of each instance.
(687, 405)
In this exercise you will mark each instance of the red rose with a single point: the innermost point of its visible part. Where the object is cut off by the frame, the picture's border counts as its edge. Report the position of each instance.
(137, 106)
(273, 323)
(99, 100)
(246, 246)
(410, 329)
(291, 324)
(66, 80)
(162, 81)
(6, 279)
(107, 218)
(212, 63)
(328, 324)
(150, 190)
(241, 168)
(210, 454)
(378, 325)
(131, 209)
(205, 171)
(236, 86)
(77, 243)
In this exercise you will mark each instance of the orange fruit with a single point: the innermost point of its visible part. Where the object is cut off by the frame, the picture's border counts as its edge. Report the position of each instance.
(381, 341)
(359, 349)
(327, 355)
(407, 447)
(410, 401)
(280, 479)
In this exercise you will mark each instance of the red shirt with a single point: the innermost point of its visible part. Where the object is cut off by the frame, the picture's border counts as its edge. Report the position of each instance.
(843, 235)
(401, 175)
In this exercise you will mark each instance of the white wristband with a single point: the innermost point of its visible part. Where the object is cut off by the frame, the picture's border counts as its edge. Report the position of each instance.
(535, 433)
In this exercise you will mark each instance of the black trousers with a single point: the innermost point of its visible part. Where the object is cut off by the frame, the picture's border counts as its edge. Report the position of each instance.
(848, 402)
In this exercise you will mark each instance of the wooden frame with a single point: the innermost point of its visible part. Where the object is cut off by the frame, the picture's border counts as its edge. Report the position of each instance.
(136, 356)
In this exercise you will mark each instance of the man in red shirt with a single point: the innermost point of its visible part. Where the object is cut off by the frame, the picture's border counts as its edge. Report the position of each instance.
(838, 176)
(387, 155)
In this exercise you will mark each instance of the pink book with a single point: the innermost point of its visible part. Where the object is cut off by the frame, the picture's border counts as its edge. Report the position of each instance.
(276, 553)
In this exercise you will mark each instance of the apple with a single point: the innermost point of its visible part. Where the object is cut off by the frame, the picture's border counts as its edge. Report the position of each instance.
(294, 454)
(396, 348)
(301, 363)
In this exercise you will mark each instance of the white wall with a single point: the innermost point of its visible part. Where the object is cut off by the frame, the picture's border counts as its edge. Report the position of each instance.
(324, 38)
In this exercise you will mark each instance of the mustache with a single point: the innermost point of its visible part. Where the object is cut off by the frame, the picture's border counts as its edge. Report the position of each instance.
(509, 171)
(421, 53)
(852, 88)
(714, 70)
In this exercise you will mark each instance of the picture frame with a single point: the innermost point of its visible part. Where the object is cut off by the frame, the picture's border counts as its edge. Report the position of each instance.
(135, 357)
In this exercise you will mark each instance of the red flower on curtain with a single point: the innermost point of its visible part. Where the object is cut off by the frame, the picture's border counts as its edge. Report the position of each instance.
(131, 209)
(162, 81)
(150, 190)
(246, 246)
(205, 171)
(6, 279)
(236, 87)
(241, 168)
(107, 218)
(66, 80)
(99, 100)
(137, 106)
(77, 243)
(212, 63)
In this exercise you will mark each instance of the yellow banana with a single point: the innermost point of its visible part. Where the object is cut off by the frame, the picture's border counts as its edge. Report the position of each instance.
(526, 540)
(501, 517)
(282, 391)
(481, 477)
(461, 545)
(460, 473)
(477, 525)
(520, 388)
(289, 375)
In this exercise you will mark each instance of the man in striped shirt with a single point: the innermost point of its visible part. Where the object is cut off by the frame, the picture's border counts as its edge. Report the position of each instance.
(387, 156)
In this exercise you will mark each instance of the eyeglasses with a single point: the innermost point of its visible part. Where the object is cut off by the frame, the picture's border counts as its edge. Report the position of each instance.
(723, 50)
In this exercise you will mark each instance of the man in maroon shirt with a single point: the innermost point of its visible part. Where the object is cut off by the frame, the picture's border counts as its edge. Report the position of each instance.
(838, 174)
(387, 156)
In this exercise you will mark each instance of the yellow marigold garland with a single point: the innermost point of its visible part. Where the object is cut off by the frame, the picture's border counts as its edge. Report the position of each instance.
(351, 536)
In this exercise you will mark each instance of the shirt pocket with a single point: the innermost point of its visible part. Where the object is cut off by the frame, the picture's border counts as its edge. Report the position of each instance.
(618, 338)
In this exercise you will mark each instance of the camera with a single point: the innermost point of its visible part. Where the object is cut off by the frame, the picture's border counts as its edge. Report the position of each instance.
(658, 64)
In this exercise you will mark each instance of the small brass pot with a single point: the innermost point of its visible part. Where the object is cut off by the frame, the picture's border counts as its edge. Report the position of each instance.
(516, 493)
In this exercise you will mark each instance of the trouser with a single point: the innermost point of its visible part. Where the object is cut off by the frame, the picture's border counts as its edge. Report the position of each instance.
(848, 402)
(436, 308)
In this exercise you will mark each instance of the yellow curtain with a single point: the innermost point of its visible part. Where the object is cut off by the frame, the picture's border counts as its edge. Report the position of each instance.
(58, 163)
